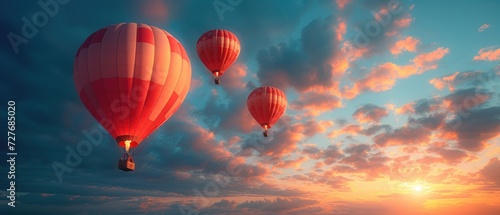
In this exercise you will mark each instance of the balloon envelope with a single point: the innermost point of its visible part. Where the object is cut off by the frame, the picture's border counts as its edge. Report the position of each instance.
(132, 78)
(218, 49)
(266, 105)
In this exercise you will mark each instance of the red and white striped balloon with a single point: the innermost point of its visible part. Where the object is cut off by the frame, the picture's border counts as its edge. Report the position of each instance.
(266, 105)
(218, 49)
(132, 78)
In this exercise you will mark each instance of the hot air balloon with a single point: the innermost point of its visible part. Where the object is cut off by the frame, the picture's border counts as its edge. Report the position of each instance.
(218, 50)
(266, 104)
(131, 78)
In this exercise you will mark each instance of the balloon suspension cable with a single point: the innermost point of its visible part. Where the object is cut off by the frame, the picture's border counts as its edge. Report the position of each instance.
(216, 79)
(141, 146)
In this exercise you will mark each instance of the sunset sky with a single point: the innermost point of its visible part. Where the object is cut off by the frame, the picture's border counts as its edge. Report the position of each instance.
(392, 109)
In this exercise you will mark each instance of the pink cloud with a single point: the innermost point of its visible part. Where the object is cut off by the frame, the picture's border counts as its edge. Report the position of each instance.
(294, 163)
(483, 27)
(284, 141)
(408, 44)
(370, 113)
(488, 54)
(233, 79)
(406, 135)
(491, 172)
(155, 10)
(316, 103)
(450, 155)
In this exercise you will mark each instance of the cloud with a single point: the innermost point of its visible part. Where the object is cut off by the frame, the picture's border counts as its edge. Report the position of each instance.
(465, 99)
(316, 103)
(422, 106)
(483, 27)
(406, 135)
(279, 204)
(353, 129)
(465, 78)
(475, 128)
(331, 154)
(409, 44)
(488, 54)
(155, 10)
(286, 135)
(303, 64)
(491, 172)
(380, 78)
(292, 163)
(430, 121)
(369, 113)
(450, 155)
(403, 22)
(363, 159)
(225, 115)
(233, 79)
(330, 178)
(342, 3)
(429, 60)
(383, 77)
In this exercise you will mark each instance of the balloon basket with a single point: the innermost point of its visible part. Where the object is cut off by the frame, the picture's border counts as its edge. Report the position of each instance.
(217, 81)
(126, 163)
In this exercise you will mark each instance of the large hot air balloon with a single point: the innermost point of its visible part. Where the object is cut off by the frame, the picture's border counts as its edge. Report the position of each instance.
(132, 78)
(218, 50)
(266, 104)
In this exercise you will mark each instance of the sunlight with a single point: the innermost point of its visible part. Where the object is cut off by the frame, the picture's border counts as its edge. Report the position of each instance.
(417, 188)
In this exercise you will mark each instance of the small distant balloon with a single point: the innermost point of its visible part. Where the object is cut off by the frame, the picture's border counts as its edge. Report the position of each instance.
(266, 105)
(218, 49)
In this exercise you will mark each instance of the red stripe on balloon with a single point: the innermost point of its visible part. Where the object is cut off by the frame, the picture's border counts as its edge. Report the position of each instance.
(97, 36)
(145, 35)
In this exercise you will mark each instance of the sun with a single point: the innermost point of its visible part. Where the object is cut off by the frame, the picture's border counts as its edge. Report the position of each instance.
(418, 188)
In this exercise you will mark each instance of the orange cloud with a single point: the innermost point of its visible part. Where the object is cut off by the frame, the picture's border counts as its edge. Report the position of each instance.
(316, 103)
(408, 44)
(429, 60)
(445, 81)
(488, 54)
(291, 163)
(403, 22)
(406, 109)
(341, 29)
(353, 129)
(342, 3)
(352, 53)
(383, 77)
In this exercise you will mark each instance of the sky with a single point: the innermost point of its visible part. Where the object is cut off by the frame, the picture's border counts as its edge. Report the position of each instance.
(392, 109)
